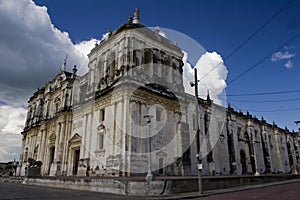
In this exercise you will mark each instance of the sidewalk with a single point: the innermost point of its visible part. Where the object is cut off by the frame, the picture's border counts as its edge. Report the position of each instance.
(225, 190)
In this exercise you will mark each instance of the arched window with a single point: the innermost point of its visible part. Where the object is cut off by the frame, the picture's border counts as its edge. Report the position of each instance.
(148, 57)
(100, 69)
(161, 160)
(168, 70)
(100, 137)
(148, 60)
(26, 154)
(112, 64)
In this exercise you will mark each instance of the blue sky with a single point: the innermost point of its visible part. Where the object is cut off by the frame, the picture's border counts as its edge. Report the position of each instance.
(36, 35)
(219, 26)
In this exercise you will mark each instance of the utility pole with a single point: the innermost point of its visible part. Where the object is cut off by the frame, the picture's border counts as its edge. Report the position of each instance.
(298, 122)
(199, 165)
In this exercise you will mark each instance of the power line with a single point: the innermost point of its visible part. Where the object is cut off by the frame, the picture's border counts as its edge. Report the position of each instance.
(264, 93)
(279, 110)
(260, 28)
(222, 98)
(251, 36)
(266, 101)
(264, 58)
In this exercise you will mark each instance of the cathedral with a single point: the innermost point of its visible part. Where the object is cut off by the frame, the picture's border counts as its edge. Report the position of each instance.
(129, 115)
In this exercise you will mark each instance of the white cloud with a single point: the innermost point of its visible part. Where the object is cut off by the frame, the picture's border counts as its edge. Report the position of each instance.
(289, 64)
(85, 48)
(281, 56)
(188, 74)
(212, 78)
(10, 145)
(32, 49)
(12, 119)
(278, 56)
(31, 52)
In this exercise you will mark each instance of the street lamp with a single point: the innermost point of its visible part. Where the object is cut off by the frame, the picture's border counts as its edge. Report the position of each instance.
(15, 167)
(149, 176)
(199, 165)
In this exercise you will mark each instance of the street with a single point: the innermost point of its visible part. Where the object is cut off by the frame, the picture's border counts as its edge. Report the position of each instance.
(289, 191)
(19, 191)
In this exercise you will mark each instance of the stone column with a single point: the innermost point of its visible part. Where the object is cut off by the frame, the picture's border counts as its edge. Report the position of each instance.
(65, 146)
(88, 135)
(143, 142)
(113, 127)
(118, 128)
(54, 168)
(40, 154)
(293, 152)
(83, 143)
(43, 151)
(232, 146)
(252, 143)
(125, 132)
(61, 141)
(278, 152)
(264, 134)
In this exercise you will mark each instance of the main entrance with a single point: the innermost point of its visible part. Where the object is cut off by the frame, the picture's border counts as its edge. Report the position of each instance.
(51, 157)
(76, 161)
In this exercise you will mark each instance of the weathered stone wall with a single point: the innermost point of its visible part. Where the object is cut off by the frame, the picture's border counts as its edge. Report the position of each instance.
(162, 186)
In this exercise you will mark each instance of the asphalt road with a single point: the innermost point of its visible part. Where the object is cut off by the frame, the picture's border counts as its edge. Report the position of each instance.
(288, 191)
(19, 191)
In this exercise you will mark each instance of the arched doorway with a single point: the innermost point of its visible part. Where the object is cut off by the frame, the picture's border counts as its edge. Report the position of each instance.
(75, 143)
(243, 161)
(76, 154)
(51, 157)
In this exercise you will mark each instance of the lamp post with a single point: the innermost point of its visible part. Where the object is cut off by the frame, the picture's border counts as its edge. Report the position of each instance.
(149, 176)
(15, 167)
(199, 165)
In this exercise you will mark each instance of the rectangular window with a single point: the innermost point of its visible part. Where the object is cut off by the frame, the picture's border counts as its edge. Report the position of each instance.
(256, 135)
(239, 132)
(102, 115)
(100, 141)
(158, 114)
(161, 165)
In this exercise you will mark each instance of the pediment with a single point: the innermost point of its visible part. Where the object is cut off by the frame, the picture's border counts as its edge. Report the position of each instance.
(162, 154)
(57, 81)
(52, 137)
(101, 127)
(76, 138)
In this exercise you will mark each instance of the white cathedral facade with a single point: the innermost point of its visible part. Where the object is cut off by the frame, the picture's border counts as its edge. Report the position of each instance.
(129, 115)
